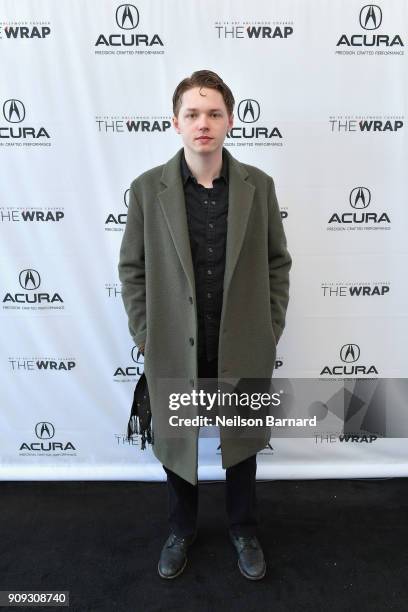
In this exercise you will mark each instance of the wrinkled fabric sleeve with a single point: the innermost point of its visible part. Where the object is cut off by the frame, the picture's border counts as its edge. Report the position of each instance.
(131, 269)
(280, 263)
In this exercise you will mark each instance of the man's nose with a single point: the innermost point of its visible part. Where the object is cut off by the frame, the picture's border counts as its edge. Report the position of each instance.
(203, 121)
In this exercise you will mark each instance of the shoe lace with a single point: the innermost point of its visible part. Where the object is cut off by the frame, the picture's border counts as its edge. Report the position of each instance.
(175, 540)
(247, 542)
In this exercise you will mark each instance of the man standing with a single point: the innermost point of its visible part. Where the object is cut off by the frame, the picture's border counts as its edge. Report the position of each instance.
(205, 282)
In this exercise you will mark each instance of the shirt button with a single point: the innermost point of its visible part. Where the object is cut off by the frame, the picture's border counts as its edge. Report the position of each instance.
(211, 225)
(209, 295)
(205, 201)
(212, 201)
(210, 249)
(191, 341)
(209, 271)
(209, 316)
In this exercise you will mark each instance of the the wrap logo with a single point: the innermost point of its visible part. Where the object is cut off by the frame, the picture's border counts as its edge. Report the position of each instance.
(37, 214)
(359, 219)
(127, 19)
(355, 289)
(349, 354)
(14, 30)
(113, 290)
(41, 364)
(30, 280)
(45, 432)
(269, 30)
(132, 124)
(348, 124)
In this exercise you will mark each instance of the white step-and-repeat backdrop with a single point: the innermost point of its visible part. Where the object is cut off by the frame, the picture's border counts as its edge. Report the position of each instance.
(85, 107)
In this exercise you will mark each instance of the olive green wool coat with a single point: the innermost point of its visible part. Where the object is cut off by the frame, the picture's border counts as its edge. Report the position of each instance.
(158, 291)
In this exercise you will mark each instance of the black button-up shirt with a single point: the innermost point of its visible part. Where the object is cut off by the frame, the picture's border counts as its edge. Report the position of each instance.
(207, 212)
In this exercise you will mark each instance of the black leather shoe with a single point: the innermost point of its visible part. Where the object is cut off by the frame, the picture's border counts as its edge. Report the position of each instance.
(173, 556)
(251, 560)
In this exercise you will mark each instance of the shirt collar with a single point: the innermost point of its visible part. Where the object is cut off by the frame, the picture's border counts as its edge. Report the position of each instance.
(186, 172)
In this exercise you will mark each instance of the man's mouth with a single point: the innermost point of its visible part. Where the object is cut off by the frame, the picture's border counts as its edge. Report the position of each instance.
(204, 138)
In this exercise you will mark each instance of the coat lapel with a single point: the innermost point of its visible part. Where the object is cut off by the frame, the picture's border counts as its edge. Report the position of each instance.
(174, 209)
(240, 199)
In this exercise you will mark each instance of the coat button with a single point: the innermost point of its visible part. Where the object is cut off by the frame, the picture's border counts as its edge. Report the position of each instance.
(191, 341)
(190, 299)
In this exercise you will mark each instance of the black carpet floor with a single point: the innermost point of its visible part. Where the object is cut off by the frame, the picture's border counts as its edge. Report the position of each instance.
(329, 544)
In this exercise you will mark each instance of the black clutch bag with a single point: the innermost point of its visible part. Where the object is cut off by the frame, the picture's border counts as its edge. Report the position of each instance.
(140, 421)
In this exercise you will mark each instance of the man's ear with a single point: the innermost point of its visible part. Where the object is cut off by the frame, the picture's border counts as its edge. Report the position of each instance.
(175, 124)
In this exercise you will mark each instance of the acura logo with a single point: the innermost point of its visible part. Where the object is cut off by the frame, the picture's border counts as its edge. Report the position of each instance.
(349, 353)
(13, 111)
(370, 17)
(360, 197)
(135, 350)
(127, 17)
(29, 279)
(248, 111)
(126, 198)
(44, 430)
